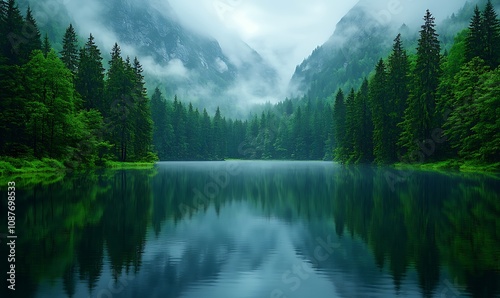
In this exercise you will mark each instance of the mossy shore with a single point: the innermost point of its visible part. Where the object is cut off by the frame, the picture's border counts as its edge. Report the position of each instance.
(46, 170)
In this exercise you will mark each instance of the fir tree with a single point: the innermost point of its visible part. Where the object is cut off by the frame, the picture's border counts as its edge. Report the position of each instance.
(32, 35)
(143, 126)
(119, 94)
(89, 80)
(364, 131)
(69, 53)
(46, 46)
(339, 131)
(380, 113)
(162, 129)
(491, 33)
(419, 117)
(351, 131)
(474, 40)
(398, 83)
(12, 37)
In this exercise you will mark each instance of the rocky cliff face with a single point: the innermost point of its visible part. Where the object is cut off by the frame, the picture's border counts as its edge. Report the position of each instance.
(183, 62)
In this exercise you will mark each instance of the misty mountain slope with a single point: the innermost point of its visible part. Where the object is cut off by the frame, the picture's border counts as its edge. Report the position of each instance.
(349, 55)
(356, 45)
(196, 58)
(181, 61)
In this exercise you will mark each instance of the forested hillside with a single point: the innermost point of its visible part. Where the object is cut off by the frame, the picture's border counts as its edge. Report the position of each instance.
(431, 105)
(63, 105)
(359, 40)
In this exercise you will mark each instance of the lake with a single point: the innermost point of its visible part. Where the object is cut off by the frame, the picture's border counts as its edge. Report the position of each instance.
(257, 229)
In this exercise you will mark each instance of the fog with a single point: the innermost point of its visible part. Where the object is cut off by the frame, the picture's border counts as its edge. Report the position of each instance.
(283, 32)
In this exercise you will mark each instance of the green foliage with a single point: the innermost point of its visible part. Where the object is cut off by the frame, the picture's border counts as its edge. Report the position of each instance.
(57, 108)
(483, 38)
(339, 127)
(11, 166)
(69, 53)
(428, 107)
(89, 80)
(419, 117)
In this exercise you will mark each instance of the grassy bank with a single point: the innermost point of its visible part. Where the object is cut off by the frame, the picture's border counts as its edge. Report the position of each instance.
(16, 166)
(33, 171)
(452, 166)
(27, 172)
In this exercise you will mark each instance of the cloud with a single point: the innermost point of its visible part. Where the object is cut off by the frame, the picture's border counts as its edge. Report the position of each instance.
(283, 32)
(410, 12)
(221, 65)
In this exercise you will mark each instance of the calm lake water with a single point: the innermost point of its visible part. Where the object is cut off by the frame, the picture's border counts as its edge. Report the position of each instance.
(257, 229)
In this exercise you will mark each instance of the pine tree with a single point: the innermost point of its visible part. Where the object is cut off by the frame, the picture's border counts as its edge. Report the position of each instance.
(206, 135)
(89, 80)
(119, 95)
(69, 53)
(351, 122)
(474, 40)
(32, 35)
(339, 124)
(467, 88)
(491, 33)
(143, 126)
(419, 117)
(162, 129)
(380, 107)
(298, 132)
(179, 118)
(218, 136)
(46, 46)
(193, 133)
(398, 82)
(12, 37)
(364, 130)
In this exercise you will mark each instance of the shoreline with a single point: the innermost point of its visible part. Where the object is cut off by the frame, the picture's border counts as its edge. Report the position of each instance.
(16, 167)
(27, 168)
(452, 166)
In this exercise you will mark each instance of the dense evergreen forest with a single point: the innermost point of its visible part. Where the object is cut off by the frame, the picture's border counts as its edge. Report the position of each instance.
(64, 106)
(433, 105)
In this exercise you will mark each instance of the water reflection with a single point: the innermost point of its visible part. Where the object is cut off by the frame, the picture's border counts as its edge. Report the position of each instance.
(258, 229)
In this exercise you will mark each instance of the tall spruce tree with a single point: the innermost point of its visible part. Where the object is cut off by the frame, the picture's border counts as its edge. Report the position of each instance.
(467, 88)
(12, 37)
(339, 131)
(89, 80)
(398, 82)
(364, 131)
(351, 130)
(380, 106)
(69, 53)
(218, 135)
(419, 117)
(162, 129)
(32, 35)
(46, 46)
(119, 96)
(143, 126)
(474, 41)
(491, 33)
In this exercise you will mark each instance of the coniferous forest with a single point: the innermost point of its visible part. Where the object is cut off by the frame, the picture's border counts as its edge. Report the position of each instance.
(427, 105)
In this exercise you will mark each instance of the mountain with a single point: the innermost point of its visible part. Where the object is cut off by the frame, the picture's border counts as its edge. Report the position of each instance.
(348, 56)
(183, 62)
(360, 39)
